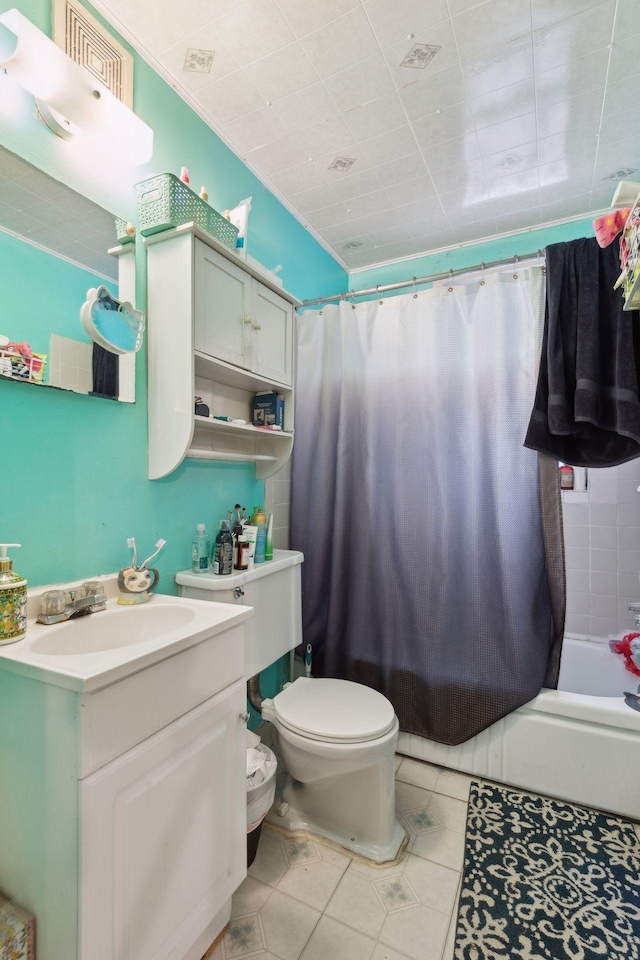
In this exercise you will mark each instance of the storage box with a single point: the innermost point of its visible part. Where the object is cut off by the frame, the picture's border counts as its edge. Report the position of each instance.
(267, 410)
(17, 932)
(165, 202)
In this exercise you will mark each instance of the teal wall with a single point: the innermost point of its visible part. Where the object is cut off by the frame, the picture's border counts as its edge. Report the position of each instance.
(470, 256)
(28, 310)
(74, 485)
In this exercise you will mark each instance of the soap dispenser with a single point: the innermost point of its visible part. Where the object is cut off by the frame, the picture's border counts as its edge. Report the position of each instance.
(13, 599)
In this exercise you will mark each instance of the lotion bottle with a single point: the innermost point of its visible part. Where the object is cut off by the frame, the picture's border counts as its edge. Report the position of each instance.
(13, 599)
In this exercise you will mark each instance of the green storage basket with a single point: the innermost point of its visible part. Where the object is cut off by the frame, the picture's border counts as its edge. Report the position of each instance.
(165, 202)
(121, 232)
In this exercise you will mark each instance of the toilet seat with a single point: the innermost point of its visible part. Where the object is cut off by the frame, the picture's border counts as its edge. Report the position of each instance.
(334, 711)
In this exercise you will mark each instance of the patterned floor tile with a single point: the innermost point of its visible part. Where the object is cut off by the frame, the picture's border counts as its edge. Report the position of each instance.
(395, 893)
(382, 952)
(333, 941)
(250, 897)
(287, 925)
(419, 774)
(454, 784)
(442, 846)
(420, 932)
(357, 904)
(451, 813)
(245, 937)
(270, 864)
(313, 883)
(300, 850)
(434, 885)
(410, 797)
(422, 820)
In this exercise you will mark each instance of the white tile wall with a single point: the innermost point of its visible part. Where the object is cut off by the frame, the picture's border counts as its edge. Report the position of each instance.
(70, 364)
(277, 492)
(602, 548)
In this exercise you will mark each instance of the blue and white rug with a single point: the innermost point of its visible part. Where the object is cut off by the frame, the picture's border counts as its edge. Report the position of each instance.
(547, 880)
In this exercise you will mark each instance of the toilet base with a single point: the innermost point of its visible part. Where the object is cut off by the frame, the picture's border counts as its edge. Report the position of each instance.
(298, 817)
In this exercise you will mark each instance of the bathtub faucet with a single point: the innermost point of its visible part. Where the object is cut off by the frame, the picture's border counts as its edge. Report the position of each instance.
(635, 608)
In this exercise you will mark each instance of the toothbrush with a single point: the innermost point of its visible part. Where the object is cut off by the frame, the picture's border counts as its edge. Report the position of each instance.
(131, 543)
(307, 661)
(237, 510)
(160, 544)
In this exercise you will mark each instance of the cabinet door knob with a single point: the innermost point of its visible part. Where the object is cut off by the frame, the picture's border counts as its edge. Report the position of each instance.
(247, 319)
(256, 326)
(245, 716)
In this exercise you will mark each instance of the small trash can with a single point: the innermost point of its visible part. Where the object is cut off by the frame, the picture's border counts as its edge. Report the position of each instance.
(261, 790)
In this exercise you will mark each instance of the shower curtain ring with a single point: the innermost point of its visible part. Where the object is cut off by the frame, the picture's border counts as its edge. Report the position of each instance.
(482, 278)
(415, 295)
(451, 280)
(515, 275)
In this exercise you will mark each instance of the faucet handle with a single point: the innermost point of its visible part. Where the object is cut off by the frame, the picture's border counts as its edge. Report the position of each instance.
(91, 588)
(53, 602)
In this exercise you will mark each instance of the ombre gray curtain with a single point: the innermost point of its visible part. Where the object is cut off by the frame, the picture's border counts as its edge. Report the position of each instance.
(426, 573)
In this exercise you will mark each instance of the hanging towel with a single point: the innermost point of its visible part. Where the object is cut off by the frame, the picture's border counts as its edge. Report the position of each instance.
(587, 406)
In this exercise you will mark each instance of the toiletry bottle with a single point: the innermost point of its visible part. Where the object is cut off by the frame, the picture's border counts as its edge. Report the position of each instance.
(184, 175)
(259, 520)
(13, 599)
(204, 195)
(223, 551)
(268, 550)
(200, 550)
(242, 554)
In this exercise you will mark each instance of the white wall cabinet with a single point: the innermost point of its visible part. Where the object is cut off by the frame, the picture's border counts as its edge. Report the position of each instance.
(221, 330)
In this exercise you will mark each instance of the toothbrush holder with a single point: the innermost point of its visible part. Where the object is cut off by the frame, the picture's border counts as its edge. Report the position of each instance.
(136, 584)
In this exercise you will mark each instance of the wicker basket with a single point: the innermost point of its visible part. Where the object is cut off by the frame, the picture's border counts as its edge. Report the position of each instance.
(121, 232)
(165, 202)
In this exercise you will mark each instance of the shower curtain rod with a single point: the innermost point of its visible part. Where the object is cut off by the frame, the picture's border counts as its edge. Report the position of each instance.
(415, 281)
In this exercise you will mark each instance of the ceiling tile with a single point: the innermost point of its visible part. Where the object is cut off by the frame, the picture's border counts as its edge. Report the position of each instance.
(16, 196)
(260, 26)
(210, 60)
(392, 234)
(616, 127)
(278, 155)
(230, 97)
(409, 248)
(459, 150)
(453, 123)
(409, 190)
(568, 207)
(584, 75)
(623, 97)
(601, 198)
(611, 156)
(582, 115)
(40, 184)
(493, 22)
(406, 168)
(374, 223)
(560, 171)
(511, 133)
(310, 105)
(421, 211)
(499, 66)
(210, 9)
(316, 197)
(303, 176)
(434, 93)
(517, 221)
(360, 84)
(392, 20)
(514, 160)
(158, 24)
(330, 136)
(305, 16)
(627, 20)
(565, 187)
(328, 216)
(282, 73)
(349, 161)
(573, 38)
(559, 147)
(256, 129)
(376, 118)
(389, 146)
(625, 61)
(427, 52)
(355, 186)
(461, 6)
(458, 176)
(466, 205)
(341, 43)
(368, 204)
(547, 12)
(502, 104)
(474, 230)
(517, 192)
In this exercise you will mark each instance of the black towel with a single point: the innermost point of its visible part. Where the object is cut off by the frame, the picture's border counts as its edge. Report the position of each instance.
(587, 406)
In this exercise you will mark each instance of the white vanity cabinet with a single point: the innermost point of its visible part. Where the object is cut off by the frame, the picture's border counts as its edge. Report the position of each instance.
(221, 330)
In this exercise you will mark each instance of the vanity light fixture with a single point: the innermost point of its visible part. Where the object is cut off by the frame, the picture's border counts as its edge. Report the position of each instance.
(70, 100)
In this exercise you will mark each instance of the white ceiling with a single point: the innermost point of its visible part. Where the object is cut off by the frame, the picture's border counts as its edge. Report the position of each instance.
(43, 211)
(393, 127)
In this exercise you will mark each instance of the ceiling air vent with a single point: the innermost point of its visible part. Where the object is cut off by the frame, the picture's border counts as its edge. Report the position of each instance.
(620, 174)
(420, 55)
(353, 245)
(91, 45)
(342, 164)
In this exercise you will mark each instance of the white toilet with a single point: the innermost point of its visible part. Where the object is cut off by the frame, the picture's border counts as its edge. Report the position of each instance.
(337, 738)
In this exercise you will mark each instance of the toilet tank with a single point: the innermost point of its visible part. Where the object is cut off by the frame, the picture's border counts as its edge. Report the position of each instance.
(273, 589)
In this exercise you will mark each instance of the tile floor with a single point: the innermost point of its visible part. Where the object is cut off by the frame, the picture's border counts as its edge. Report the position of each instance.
(303, 900)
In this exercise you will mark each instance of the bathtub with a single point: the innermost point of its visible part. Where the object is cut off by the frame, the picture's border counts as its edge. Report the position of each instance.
(580, 742)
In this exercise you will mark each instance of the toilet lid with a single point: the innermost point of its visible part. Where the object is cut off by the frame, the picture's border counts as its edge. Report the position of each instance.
(337, 711)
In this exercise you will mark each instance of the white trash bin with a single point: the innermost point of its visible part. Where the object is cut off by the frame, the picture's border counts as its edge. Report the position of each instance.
(261, 790)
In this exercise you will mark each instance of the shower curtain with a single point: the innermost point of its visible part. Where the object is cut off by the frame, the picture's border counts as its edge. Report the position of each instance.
(418, 509)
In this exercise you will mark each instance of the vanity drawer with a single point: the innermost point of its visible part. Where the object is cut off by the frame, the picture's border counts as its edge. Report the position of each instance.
(118, 717)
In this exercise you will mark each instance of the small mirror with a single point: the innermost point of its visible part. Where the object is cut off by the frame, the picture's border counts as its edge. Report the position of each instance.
(53, 249)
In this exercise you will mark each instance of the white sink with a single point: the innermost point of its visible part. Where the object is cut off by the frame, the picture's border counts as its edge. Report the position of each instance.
(113, 628)
(91, 652)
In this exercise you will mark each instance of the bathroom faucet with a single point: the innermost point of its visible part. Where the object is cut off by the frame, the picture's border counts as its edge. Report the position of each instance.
(635, 608)
(56, 608)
